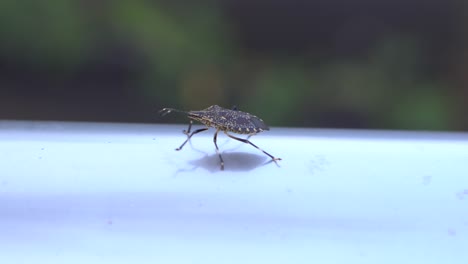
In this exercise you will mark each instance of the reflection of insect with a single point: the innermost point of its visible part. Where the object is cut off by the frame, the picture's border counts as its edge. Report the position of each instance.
(223, 120)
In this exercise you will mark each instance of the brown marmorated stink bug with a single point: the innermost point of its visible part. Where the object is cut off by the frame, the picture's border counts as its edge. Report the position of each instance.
(226, 120)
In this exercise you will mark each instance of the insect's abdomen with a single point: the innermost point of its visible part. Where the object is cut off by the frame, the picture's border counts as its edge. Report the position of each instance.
(242, 123)
(229, 120)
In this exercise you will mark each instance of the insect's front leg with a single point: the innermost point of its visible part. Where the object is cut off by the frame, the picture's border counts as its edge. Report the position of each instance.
(189, 135)
(187, 132)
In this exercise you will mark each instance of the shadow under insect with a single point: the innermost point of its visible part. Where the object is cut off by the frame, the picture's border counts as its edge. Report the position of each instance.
(235, 161)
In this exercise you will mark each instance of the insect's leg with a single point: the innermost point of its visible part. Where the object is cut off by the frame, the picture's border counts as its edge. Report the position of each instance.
(187, 132)
(217, 149)
(248, 142)
(189, 136)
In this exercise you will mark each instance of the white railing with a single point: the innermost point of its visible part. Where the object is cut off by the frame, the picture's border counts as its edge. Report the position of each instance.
(119, 193)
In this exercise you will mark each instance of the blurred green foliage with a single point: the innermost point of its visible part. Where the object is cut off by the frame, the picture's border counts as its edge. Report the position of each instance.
(45, 33)
(191, 56)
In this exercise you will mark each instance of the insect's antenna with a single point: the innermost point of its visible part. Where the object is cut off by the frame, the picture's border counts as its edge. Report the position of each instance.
(166, 111)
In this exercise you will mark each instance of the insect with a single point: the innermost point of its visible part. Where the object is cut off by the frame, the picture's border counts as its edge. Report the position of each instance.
(226, 120)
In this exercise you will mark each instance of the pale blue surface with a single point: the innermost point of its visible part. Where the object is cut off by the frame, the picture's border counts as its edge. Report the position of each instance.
(115, 193)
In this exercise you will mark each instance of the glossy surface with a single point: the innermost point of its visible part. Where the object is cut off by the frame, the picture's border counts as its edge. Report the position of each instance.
(117, 193)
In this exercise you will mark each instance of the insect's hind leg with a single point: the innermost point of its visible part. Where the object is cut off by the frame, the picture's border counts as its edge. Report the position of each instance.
(189, 135)
(248, 142)
(217, 149)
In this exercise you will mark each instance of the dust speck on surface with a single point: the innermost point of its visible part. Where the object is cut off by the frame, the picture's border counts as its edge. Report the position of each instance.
(462, 194)
(451, 232)
(426, 180)
(318, 164)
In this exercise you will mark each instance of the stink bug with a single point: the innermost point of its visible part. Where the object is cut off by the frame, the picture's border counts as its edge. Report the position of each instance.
(225, 120)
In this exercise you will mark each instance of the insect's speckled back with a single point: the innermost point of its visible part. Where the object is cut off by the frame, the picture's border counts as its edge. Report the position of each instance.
(229, 120)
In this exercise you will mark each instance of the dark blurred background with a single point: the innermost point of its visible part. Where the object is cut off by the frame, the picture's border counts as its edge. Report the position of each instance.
(386, 64)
